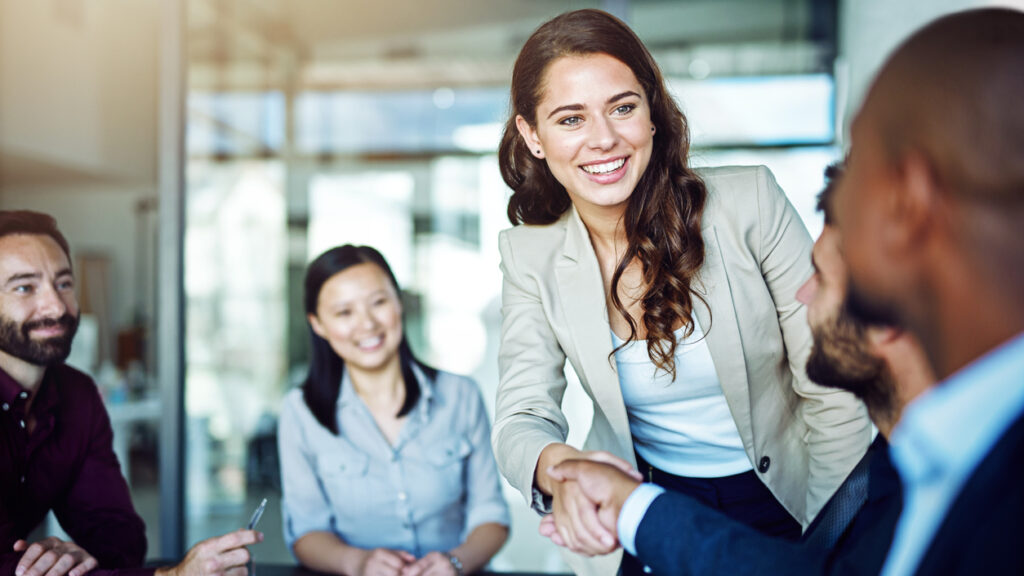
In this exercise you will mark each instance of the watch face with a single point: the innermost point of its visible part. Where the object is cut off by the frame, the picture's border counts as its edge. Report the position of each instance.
(456, 563)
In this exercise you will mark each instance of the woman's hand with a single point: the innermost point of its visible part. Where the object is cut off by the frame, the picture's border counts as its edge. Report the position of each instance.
(433, 564)
(575, 515)
(384, 562)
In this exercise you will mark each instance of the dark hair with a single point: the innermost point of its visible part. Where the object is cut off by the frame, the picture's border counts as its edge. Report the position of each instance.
(28, 222)
(833, 172)
(663, 217)
(323, 384)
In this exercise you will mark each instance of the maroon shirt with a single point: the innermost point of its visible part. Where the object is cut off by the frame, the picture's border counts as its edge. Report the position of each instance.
(67, 464)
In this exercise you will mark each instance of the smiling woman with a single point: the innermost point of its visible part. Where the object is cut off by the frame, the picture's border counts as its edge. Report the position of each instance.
(385, 461)
(670, 290)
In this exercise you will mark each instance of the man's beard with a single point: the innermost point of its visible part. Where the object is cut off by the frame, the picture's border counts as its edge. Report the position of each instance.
(840, 359)
(17, 340)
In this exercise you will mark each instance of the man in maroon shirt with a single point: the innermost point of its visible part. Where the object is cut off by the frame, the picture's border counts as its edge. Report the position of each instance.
(56, 448)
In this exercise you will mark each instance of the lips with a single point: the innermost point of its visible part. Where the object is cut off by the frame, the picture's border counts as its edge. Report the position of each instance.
(50, 327)
(49, 331)
(604, 167)
(606, 171)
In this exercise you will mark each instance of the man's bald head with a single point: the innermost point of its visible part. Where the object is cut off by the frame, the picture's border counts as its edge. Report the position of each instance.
(931, 202)
(954, 93)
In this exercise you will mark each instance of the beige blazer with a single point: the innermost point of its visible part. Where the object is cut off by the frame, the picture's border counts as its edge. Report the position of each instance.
(802, 439)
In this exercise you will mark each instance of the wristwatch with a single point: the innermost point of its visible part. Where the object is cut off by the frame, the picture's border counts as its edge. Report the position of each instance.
(456, 563)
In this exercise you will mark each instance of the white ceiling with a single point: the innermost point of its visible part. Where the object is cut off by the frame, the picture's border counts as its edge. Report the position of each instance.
(325, 44)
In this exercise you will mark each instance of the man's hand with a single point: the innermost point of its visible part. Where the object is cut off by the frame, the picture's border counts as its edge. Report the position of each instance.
(605, 486)
(222, 555)
(433, 564)
(53, 557)
(384, 562)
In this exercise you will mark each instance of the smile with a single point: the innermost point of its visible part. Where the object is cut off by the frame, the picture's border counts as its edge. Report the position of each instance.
(604, 167)
(49, 331)
(370, 343)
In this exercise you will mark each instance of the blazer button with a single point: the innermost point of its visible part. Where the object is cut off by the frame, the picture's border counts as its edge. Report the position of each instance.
(764, 464)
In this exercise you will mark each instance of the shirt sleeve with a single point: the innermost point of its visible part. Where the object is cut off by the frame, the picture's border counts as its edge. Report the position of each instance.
(632, 514)
(678, 535)
(484, 501)
(304, 506)
(838, 429)
(97, 511)
(9, 561)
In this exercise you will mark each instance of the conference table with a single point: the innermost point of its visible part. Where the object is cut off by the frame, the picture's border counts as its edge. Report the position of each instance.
(266, 569)
(261, 569)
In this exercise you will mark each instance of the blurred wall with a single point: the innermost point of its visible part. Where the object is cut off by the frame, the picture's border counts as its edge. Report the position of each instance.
(78, 85)
(870, 29)
(78, 128)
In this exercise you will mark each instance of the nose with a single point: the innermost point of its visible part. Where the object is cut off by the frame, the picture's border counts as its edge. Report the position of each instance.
(367, 321)
(806, 292)
(603, 135)
(50, 303)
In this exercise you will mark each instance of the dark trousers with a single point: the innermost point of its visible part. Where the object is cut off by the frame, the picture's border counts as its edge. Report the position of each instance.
(742, 497)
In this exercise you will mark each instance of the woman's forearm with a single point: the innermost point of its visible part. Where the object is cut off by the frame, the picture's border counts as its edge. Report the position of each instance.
(551, 455)
(325, 552)
(480, 546)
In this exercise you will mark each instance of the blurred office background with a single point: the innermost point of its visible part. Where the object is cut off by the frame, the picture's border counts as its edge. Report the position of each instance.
(199, 153)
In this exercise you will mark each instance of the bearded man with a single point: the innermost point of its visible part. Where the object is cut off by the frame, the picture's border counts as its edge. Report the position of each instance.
(56, 444)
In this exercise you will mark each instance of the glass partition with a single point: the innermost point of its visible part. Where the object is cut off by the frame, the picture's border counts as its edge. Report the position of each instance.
(283, 168)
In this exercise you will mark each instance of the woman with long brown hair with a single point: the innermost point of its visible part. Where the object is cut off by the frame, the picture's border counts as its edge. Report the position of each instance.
(670, 290)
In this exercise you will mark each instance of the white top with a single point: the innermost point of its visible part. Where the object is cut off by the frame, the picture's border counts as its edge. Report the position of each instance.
(682, 427)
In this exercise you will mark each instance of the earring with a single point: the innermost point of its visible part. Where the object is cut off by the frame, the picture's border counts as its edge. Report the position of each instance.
(538, 151)
(653, 128)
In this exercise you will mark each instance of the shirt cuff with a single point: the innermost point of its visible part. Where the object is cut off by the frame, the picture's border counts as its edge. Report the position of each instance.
(540, 501)
(633, 511)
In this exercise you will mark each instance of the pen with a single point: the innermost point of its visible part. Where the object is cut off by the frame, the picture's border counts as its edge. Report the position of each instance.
(257, 514)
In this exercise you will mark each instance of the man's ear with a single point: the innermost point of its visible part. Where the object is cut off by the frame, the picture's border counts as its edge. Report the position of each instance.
(529, 135)
(916, 202)
(878, 337)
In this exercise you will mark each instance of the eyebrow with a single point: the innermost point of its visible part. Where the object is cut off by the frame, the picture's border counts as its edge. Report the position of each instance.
(34, 276)
(578, 107)
(23, 276)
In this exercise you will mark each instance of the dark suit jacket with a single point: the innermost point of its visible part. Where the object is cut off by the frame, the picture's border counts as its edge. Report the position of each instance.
(678, 535)
(983, 532)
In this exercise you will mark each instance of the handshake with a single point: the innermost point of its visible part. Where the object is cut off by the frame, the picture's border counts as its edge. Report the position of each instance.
(588, 491)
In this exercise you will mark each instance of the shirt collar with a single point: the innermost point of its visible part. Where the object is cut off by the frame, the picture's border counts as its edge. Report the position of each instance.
(347, 394)
(950, 428)
(11, 392)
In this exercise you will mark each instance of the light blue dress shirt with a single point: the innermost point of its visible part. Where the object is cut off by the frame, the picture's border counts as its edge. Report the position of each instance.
(942, 438)
(427, 492)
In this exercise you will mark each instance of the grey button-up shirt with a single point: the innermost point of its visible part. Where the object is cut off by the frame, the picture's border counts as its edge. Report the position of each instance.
(427, 492)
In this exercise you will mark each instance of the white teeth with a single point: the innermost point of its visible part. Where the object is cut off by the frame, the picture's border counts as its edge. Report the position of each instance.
(605, 168)
(370, 342)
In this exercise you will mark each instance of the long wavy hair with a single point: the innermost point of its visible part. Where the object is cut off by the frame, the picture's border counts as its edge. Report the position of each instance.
(323, 383)
(663, 216)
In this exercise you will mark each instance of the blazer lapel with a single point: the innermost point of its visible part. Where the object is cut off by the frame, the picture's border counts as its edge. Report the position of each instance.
(582, 295)
(723, 334)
